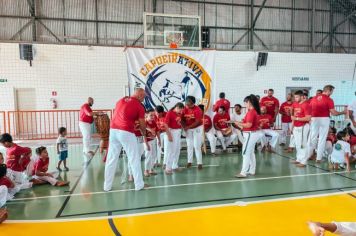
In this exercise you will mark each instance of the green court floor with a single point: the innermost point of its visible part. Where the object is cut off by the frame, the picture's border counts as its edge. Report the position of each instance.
(215, 184)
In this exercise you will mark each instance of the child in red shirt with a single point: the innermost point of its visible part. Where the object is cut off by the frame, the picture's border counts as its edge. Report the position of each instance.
(151, 139)
(330, 141)
(41, 169)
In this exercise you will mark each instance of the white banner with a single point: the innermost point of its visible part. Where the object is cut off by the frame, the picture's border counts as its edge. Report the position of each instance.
(169, 77)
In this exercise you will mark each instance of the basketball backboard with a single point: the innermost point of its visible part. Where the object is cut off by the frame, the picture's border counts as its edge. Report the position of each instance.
(171, 31)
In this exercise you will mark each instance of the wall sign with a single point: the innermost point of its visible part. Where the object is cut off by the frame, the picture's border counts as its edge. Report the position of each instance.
(300, 78)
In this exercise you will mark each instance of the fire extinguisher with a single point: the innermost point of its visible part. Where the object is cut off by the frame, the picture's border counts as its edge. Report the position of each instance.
(54, 103)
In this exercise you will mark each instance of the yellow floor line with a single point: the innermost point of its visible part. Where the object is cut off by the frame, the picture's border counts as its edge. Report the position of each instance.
(286, 217)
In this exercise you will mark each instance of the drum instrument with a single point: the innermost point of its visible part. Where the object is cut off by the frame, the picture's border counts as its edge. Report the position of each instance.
(102, 124)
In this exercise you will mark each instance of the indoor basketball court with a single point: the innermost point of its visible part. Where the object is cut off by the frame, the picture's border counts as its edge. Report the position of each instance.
(166, 117)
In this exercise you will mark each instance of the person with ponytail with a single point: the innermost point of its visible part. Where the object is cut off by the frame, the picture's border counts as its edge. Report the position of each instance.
(172, 138)
(249, 127)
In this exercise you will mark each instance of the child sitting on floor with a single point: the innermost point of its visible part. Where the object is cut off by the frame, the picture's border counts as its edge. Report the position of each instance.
(341, 153)
(62, 148)
(330, 141)
(41, 168)
(12, 188)
(18, 161)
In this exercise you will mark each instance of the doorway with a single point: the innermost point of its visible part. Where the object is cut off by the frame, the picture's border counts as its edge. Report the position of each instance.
(292, 90)
(25, 101)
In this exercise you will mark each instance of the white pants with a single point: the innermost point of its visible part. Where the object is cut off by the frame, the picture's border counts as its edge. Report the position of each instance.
(194, 138)
(212, 139)
(3, 195)
(122, 139)
(318, 134)
(159, 149)
(85, 129)
(274, 137)
(292, 141)
(238, 134)
(248, 152)
(285, 128)
(52, 180)
(151, 154)
(141, 151)
(172, 149)
(225, 141)
(345, 228)
(301, 135)
(329, 147)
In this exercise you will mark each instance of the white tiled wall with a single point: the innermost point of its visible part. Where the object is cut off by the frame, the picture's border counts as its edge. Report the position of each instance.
(76, 72)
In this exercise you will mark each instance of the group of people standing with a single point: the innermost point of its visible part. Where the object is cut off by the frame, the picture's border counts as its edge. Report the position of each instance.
(154, 132)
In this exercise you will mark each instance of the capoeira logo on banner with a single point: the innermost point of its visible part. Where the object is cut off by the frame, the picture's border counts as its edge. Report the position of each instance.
(169, 77)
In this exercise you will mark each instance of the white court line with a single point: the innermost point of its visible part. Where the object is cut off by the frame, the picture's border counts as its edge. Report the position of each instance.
(179, 185)
(179, 210)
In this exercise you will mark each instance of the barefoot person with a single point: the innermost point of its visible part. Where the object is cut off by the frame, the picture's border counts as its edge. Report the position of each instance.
(321, 108)
(271, 103)
(222, 102)
(86, 118)
(249, 127)
(338, 228)
(127, 111)
(285, 111)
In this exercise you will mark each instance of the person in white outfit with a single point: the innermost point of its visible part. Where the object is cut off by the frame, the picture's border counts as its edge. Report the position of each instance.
(172, 138)
(301, 115)
(341, 153)
(193, 126)
(351, 114)
(160, 116)
(237, 115)
(3, 195)
(338, 228)
(128, 110)
(86, 118)
(209, 131)
(265, 122)
(251, 133)
(321, 108)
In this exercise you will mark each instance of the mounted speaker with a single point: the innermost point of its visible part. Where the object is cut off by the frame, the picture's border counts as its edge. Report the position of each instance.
(26, 52)
(262, 59)
(205, 37)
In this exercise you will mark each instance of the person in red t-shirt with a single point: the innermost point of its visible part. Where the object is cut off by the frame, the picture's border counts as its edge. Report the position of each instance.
(221, 123)
(209, 130)
(152, 140)
(86, 118)
(271, 103)
(128, 110)
(40, 171)
(194, 130)
(301, 116)
(330, 141)
(160, 116)
(251, 134)
(18, 159)
(222, 102)
(285, 110)
(321, 108)
(172, 138)
(265, 122)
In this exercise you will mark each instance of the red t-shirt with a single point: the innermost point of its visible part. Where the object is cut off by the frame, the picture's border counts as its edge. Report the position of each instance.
(271, 103)
(15, 154)
(6, 181)
(41, 165)
(160, 122)
(265, 121)
(286, 107)
(152, 126)
(353, 140)
(84, 110)
(190, 115)
(137, 130)
(251, 117)
(321, 105)
(332, 138)
(127, 111)
(222, 103)
(300, 111)
(173, 120)
(220, 120)
(208, 124)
